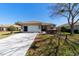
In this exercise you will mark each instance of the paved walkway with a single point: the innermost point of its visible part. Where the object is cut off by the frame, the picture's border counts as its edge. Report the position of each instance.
(17, 44)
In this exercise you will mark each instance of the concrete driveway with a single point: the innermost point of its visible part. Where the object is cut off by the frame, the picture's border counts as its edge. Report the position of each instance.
(17, 44)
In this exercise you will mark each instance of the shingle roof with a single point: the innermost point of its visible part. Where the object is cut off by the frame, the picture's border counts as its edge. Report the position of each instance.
(31, 22)
(35, 22)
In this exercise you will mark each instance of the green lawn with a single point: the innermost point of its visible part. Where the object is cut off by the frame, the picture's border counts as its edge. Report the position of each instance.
(4, 34)
(50, 45)
(66, 33)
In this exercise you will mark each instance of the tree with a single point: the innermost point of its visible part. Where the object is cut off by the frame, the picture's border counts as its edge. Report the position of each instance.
(68, 10)
(17, 23)
(12, 28)
(63, 29)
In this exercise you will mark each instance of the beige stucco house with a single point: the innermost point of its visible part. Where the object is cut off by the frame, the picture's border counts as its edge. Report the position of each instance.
(4, 27)
(35, 26)
(76, 26)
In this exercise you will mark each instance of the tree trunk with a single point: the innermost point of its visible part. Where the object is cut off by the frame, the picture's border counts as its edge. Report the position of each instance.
(72, 29)
(11, 32)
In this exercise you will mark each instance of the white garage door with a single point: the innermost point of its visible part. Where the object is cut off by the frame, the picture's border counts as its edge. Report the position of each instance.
(34, 29)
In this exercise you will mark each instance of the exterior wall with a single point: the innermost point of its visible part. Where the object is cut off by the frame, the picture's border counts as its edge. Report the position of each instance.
(48, 27)
(22, 28)
(3, 29)
(76, 27)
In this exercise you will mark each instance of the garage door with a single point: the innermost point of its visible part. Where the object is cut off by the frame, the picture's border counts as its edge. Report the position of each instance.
(34, 29)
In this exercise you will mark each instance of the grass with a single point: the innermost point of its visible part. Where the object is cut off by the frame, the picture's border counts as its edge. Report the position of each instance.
(65, 33)
(74, 38)
(4, 34)
(50, 45)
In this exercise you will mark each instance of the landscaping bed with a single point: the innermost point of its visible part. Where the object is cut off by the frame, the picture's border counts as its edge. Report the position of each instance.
(49, 45)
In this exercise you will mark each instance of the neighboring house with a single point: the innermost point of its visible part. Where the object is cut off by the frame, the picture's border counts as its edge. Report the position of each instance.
(76, 26)
(36, 26)
(4, 27)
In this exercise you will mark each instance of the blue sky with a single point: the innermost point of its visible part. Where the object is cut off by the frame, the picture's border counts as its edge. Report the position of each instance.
(11, 13)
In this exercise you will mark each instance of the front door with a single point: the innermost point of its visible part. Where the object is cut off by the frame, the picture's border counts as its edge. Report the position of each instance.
(25, 28)
(43, 28)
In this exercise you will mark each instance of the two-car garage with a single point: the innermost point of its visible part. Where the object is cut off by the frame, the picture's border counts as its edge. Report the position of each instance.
(32, 28)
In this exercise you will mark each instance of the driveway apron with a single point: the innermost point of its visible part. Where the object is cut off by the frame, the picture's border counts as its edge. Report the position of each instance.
(17, 44)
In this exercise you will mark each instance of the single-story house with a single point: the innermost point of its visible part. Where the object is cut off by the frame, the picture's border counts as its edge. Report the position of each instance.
(36, 26)
(31, 26)
(4, 27)
(76, 26)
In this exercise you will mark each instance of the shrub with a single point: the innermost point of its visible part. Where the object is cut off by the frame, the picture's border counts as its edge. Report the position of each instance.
(12, 28)
(76, 31)
(68, 30)
(64, 29)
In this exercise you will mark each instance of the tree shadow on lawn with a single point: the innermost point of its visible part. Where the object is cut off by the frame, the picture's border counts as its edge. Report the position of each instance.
(56, 49)
(73, 45)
